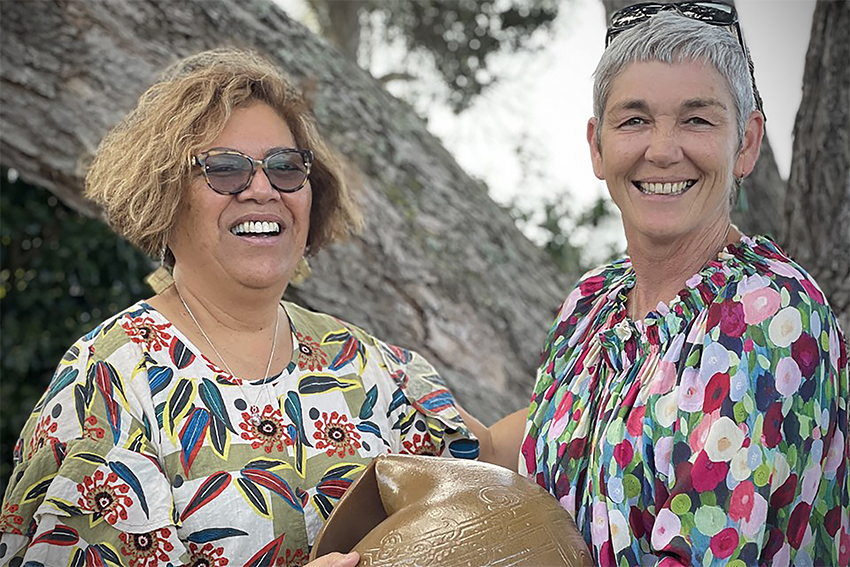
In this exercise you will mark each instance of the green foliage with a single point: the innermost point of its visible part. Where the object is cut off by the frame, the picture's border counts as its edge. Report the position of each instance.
(60, 275)
(462, 35)
(458, 36)
(558, 228)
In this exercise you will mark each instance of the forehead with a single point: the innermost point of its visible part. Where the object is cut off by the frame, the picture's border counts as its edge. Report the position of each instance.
(254, 128)
(669, 85)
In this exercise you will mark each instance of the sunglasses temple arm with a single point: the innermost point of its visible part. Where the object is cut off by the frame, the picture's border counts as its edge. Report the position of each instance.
(752, 68)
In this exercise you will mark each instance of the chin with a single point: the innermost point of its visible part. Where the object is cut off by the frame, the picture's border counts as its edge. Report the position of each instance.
(264, 280)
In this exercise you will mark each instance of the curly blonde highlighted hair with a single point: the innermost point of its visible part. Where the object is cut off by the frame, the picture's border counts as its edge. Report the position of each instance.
(142, 167)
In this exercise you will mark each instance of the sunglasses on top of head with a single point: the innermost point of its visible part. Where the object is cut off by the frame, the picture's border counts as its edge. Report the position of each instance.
(714, 13)
(230, 172)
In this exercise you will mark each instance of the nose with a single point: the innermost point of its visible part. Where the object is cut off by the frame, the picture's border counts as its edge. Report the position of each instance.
(664, 148)
(259, 189)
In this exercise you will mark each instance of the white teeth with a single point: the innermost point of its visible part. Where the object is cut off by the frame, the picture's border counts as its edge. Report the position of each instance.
(256, 227)
(664, 188)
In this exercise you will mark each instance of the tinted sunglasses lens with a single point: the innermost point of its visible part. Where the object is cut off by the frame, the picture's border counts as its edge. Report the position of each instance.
(227, 173)
(632, 15)
(286, 171)
(712, 12)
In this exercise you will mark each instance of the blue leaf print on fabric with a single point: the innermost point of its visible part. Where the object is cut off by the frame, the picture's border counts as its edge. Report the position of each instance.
(127, 475)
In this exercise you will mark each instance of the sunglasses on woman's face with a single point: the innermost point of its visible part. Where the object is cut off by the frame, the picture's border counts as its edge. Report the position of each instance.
(230, 172)
(714, 13)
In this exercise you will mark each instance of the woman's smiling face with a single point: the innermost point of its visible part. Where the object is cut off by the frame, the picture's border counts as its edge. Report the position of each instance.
(255, 237)
(668, 148)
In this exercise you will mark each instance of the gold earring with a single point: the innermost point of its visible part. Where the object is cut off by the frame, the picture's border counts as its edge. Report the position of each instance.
(160, 279)
(302, 272)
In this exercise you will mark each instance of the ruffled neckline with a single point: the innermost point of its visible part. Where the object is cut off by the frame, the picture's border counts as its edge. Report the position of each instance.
(626, 339)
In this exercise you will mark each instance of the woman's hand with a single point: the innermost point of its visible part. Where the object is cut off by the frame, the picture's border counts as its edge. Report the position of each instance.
(336, 560)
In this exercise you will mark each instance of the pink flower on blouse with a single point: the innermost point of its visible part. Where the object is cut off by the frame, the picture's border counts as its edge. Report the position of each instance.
(691, 391)
(667, 526)
(760, 304)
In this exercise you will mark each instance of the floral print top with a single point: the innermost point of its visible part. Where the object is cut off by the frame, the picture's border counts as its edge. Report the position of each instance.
(713, 432)
(143, 453)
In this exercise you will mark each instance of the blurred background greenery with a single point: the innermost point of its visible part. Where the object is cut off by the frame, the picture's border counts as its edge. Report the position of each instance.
(56, 264)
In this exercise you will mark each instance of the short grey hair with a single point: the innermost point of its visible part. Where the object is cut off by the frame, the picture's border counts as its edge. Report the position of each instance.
(670, 37)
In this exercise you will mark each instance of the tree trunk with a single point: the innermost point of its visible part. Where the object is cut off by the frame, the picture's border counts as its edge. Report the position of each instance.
(439, 267)
(817, 210)
(763, 192)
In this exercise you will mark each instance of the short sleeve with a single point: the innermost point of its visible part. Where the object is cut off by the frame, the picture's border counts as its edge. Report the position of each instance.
(423, 411)
(87, 481)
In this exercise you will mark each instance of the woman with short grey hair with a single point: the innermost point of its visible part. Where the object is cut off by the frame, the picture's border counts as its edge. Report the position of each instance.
(691, 401)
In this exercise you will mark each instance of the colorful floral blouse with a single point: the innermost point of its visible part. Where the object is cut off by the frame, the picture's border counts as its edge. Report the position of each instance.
(143, 453)
(714, 432)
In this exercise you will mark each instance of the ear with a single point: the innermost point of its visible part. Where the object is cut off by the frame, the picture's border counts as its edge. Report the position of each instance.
(595, 150)
(750, 145)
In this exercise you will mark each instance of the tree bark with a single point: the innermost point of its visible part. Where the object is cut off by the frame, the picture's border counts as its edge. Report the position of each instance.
(759, 208)
(817, 210)
(439, 267)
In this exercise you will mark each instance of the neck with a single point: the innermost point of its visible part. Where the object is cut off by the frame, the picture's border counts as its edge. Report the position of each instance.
(218, 307)
(662, 267)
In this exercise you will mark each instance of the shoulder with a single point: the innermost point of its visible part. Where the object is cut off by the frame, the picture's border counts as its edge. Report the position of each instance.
(593, 291)
(313, 327)
(770, 265)
(138, 323)
(776, 295)
(318, 324)
(775, 315)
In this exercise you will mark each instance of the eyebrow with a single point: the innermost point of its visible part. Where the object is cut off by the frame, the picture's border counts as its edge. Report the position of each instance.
(696, 103)
(632, 104)
(641, 105)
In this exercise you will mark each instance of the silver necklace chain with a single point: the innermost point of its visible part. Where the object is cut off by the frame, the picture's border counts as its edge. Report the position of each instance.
(253, 409)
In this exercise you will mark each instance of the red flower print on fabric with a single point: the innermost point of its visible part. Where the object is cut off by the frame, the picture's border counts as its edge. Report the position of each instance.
(91, 431)
(716, 392)
(772, 429)
(844, 547)
(9, 521)
(419, 445)
(104, 495)
(623, 453)
(43, 435)
(784, 495)
(148, 549)
(732, 319)
(293, 558)
(312, 356)
(336, 434)
(806, 354)
(797, 524)
(724, 543)
(741, 504)
(143, 330)
(221, 373)
(269, 433)
(591, 285)
(207, 555)
(706, 474)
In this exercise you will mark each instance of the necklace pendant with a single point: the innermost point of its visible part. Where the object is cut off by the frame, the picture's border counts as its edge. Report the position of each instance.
(255, 420)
